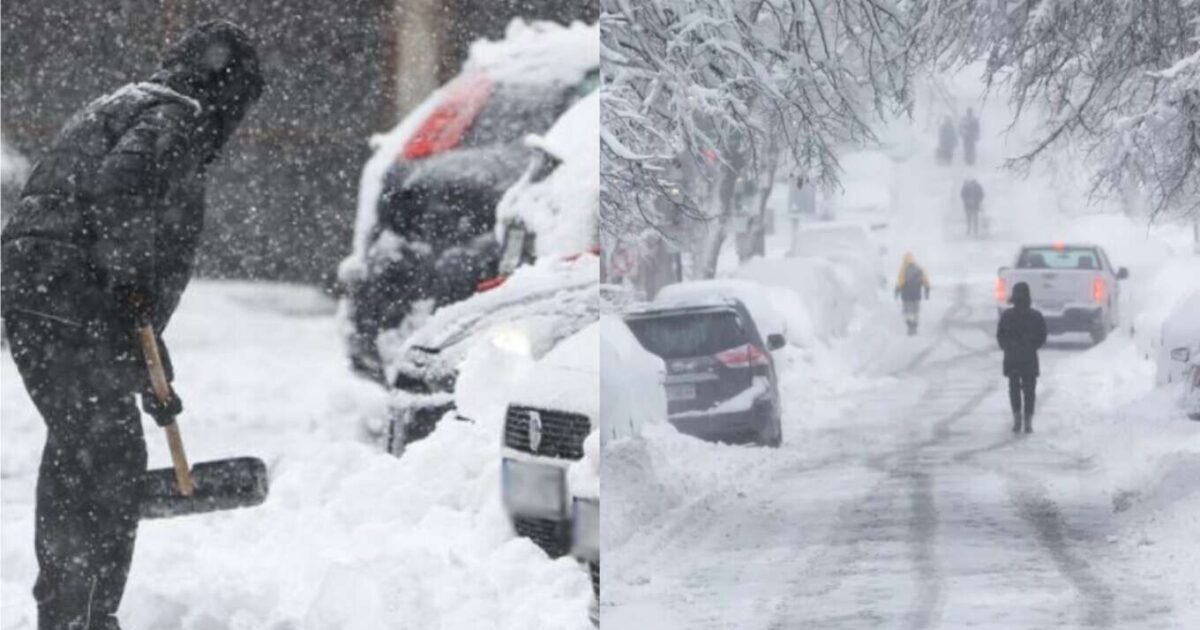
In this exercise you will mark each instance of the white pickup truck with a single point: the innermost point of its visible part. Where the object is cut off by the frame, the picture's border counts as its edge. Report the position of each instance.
(1075, 287)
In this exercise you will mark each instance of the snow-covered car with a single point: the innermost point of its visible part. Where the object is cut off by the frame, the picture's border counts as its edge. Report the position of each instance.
(1180, 333)
(551, 413)
(549, 283)
(721, 383)
(427, 197)
(1075, 287)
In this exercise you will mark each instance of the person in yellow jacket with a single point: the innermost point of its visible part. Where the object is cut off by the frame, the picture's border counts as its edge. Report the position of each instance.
(911, 285)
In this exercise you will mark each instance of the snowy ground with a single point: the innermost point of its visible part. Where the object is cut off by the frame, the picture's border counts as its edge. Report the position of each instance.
(900, 497)
(350, 538)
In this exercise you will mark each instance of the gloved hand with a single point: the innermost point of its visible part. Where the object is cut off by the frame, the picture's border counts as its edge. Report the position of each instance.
(163, 413)
(137, 303)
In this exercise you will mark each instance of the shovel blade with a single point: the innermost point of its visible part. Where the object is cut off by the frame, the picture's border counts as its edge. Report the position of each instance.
(224, 484)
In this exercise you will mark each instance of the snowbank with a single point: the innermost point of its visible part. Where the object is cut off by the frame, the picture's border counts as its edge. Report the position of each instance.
(350, 538)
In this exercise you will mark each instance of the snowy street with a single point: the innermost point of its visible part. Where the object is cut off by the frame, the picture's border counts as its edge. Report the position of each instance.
(900, 497)
(917, 508)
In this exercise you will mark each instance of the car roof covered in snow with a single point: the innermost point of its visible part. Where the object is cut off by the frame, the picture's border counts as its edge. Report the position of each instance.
(716, 293)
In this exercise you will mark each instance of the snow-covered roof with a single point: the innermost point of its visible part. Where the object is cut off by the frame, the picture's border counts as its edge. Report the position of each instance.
(714, 292)
(538, 52)
(562, 209)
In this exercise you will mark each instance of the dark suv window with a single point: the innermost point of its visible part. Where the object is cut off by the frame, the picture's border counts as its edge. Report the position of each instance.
(515, 110)
(678, 336)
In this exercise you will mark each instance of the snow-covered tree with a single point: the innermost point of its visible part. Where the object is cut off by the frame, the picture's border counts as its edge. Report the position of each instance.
(1119, 78)
(701, 93)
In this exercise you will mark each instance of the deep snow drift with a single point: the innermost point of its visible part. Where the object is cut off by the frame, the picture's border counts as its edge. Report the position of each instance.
(350, 538)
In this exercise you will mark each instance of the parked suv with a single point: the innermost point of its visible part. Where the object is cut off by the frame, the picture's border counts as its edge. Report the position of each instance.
(721, 382)
(427, 198)
(1075, 286)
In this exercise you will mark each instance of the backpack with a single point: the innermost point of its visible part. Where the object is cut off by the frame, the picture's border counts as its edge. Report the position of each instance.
(912, 278)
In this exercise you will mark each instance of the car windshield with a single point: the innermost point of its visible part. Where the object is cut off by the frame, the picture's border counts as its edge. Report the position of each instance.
(1058, 258)
(682, 335)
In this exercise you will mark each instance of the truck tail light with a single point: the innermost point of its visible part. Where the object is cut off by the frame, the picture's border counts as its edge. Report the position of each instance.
(1098, 290)
(1001, 290)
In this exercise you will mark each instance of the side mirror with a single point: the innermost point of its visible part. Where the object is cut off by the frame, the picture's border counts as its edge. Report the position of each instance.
(1122, 273)
(1181, 354)
(775, 341)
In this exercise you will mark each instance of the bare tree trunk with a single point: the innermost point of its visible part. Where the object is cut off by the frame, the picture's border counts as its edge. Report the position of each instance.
(717, 233)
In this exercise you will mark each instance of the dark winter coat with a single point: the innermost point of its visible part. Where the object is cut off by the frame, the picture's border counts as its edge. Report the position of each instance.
(111, 214)
(972, 195)
(911, 282)
(1021, 332)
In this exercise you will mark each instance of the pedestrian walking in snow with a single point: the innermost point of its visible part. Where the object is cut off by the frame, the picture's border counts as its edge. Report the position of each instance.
(104, 241)
(947, 139)
(972, 198)
(969, 129)
(1021, 332)
(911, 285)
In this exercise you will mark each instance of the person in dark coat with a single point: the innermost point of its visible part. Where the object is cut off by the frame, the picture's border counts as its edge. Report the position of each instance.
(972, 198)
(102, 242)
(947, 139)
(969, 130)
(1021, 332)
(911, 285)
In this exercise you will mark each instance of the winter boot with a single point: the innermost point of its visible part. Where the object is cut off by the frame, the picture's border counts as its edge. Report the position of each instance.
(1016, 422)
(1029, 423)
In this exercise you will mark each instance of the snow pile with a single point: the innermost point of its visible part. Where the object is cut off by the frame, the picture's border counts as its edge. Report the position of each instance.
(350, 536)
(632, 387)
(561, 209)
(538, 52)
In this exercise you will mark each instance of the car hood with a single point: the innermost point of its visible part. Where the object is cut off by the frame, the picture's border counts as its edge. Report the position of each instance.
(533, 310)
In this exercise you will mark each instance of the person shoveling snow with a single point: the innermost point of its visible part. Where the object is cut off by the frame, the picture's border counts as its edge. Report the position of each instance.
(102, 245)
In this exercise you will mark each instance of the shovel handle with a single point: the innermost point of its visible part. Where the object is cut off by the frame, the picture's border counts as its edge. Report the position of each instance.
(162, 391)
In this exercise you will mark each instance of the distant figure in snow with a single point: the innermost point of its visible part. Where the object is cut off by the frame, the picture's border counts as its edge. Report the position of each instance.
(972, 198)
(1021, 332)
(911, 285)
(969, 129)
(947, 139)
(103, 242)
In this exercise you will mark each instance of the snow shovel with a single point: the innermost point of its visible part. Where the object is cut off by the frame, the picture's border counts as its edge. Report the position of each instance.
(208, 487)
